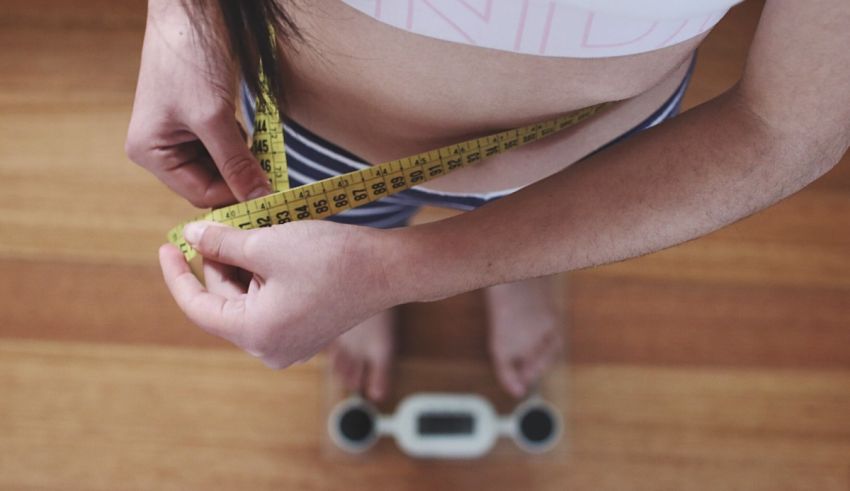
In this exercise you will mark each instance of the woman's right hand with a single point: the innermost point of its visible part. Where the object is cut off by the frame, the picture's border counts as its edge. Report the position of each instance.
(183, 128)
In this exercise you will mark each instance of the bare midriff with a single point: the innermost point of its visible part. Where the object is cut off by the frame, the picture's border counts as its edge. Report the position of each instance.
(384, 93)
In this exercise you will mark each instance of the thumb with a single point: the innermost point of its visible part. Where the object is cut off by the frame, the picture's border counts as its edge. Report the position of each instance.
(223, 139)
(220, 243)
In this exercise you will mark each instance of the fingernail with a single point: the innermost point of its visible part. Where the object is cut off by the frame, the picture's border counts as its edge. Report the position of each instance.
(260, 191)
(192, 232)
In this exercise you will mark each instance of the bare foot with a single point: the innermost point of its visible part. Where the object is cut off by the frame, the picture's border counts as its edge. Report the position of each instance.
(526, 330)
(362, 357)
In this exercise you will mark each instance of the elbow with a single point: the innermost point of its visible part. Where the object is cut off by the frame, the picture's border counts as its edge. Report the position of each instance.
(811, 152)
(809, 144)
(817, 151)
(828, 152)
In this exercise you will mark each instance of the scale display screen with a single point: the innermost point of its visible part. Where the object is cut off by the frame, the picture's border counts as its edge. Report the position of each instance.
(436, 424)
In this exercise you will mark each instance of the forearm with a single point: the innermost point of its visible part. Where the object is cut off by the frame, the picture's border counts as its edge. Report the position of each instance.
(710, 167)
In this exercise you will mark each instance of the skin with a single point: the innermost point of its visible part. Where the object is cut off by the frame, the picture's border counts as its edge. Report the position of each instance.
(183, 128)
(365, 70)
(419, 93)
(782, 126)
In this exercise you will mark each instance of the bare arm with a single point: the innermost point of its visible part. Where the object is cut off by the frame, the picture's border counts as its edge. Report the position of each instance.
(784, 125)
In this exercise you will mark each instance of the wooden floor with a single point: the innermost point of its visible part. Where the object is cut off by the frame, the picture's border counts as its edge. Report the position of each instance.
(722, 364)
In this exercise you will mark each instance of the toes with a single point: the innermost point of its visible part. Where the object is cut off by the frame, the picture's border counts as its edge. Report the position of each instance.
(537, 363)
(371, 377)
(534, 366)
(365, 356)
(509, 376)
(347, 369)
(533, 369)
(354, 378)
(378, 379)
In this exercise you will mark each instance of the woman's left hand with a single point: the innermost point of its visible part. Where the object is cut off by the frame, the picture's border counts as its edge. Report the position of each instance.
(282, 293)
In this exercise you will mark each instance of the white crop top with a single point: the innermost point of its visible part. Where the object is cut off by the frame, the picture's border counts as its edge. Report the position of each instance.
(569, 28)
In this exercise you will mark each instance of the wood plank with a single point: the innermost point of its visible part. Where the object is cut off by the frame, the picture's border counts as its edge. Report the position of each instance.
(743, 262)
(93, 61)
(81, 416)
(696, 323)
(690, 371)
(89, 203)
(69, 301)
(721, 57)
(614, 319)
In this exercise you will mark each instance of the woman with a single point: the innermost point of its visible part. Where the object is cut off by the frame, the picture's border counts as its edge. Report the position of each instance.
(372, 80)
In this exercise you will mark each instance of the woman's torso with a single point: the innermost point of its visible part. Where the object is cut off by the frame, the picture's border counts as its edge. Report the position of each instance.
(384, 93)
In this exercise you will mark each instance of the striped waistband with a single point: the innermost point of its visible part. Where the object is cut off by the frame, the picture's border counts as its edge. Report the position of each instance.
(312, 158)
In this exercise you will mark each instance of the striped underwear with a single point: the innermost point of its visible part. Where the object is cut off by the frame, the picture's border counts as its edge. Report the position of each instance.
(311, 158)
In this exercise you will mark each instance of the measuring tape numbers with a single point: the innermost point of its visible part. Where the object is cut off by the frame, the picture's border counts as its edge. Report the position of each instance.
(333, 195)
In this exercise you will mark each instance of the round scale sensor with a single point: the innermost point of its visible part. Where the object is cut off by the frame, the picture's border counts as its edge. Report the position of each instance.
(437, 425)
(352, 425)
(537, 426)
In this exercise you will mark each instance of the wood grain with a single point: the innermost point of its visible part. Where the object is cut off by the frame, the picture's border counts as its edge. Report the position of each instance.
(82, 416)
(719, 364)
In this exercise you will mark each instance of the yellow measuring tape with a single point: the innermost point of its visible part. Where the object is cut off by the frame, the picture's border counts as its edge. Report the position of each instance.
(333, 195)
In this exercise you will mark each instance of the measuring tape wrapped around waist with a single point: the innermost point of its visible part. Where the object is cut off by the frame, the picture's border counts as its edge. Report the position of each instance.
(333, 195)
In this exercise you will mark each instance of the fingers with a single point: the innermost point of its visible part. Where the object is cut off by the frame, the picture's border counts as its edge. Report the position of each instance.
(198, 184)
(223, 279)
(220, 243)
(184, 166)
(348, 369)
(213, 313)
(241, 171)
